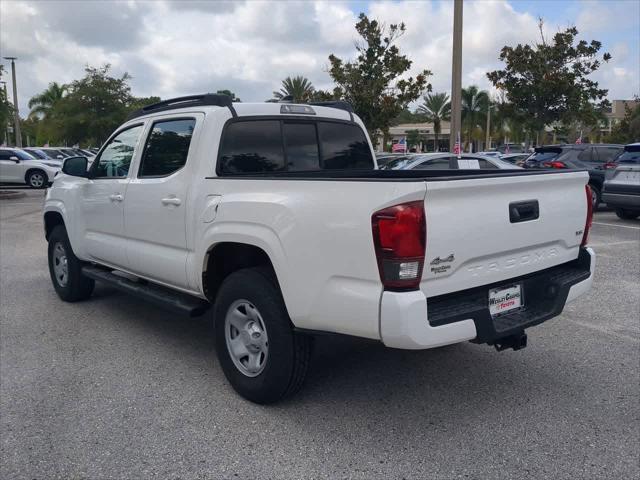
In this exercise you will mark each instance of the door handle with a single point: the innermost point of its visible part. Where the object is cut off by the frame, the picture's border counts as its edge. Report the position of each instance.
(171, 201)
(116, 197)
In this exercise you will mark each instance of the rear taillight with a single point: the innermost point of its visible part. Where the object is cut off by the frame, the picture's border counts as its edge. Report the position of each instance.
(554, 165)
(587, 224)
(399, 237)
(610, 165)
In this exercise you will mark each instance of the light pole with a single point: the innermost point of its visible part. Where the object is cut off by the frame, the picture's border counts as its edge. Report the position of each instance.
(15, 102)
(456, 76)
(5, 99)
(488, 135)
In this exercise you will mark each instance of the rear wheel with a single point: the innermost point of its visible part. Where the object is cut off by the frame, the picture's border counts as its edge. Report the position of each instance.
(37, 179)
(66, 269)
(627, 214)
(260, 354)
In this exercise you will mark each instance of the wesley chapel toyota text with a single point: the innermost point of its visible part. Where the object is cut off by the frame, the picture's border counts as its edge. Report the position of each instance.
(275, 218)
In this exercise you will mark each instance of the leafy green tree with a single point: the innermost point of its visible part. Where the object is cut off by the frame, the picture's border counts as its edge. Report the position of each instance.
(407, 116)
(436, 109)
(475, 103)
(299, 87)
(372, 82)
(95, 106)
(43, 104)
(414, 138)
(139, 102)
(549, 81)
(229, 93)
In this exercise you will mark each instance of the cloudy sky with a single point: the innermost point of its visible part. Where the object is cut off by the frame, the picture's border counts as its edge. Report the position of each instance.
(173, 47)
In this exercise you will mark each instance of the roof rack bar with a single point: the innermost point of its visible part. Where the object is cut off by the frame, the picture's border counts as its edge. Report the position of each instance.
(340, 104)
(186, 101)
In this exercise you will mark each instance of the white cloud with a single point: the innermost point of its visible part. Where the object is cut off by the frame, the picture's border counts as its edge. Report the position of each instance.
(174, 48)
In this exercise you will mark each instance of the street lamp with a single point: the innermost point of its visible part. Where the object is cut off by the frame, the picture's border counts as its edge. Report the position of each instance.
(5, 99)
(456, 77)
(488, 135)
(15, 101)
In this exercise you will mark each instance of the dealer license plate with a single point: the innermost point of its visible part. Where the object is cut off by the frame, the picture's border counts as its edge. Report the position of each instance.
(502, 300)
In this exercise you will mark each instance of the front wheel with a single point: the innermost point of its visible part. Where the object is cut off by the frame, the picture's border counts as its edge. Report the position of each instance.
(66, 269)
(37, 179)
(260, 354)
(625, 214)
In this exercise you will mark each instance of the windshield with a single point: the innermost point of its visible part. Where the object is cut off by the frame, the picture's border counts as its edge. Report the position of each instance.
(22, 155)
(544, 156)
(36, 153)
(629, 156)
(397, 163)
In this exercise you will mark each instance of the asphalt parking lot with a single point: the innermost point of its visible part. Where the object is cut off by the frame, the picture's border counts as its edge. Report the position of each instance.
(116, 388)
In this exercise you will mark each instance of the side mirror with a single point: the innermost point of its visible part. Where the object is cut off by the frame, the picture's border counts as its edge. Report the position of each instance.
(59, 157)
(14, 158)
(75, 166)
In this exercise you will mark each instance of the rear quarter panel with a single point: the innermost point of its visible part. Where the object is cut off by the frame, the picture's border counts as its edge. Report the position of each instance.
(318, 236)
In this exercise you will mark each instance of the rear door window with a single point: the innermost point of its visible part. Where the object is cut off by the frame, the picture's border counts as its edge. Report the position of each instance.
(252, 147)
(585, 156)
(344, 146)
(607, 154)
(167, 147)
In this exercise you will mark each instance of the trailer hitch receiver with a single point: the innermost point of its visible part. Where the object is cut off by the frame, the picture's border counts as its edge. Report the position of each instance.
(517, 342)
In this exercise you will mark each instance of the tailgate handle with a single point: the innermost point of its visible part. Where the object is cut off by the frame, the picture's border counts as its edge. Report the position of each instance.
(523, 211)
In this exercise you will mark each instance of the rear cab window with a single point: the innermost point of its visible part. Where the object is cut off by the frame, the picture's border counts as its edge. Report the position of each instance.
(292, 145)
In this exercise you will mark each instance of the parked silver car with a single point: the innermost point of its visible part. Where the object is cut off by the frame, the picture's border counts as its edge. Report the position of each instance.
(622, 190)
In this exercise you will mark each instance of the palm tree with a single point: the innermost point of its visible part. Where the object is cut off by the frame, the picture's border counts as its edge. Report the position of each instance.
(43, 103)
(475, 103)
(436, 108)
(299, 87)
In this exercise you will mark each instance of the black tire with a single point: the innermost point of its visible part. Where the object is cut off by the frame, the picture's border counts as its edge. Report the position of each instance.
(37, 179)
(627, 214)
(289, 352)
(77, 286)
(596, 196)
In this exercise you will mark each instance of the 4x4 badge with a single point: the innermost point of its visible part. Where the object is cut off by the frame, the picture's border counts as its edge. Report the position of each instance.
(438, 260)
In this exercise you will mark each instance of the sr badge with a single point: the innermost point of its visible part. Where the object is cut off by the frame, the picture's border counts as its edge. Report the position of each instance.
(436, 266)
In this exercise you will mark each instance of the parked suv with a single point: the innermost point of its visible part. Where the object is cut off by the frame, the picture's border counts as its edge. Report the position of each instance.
(596, 158)
(622, 190)
(275, 217)
(18, 166)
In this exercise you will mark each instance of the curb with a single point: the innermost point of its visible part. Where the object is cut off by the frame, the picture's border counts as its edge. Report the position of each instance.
(11, 194)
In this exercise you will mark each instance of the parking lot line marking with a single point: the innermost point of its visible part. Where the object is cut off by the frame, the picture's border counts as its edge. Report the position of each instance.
(612, 244)
(604, 330)
(615, 225)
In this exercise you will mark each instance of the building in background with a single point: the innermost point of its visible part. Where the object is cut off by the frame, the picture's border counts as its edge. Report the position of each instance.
(427, 141)
(616, 113)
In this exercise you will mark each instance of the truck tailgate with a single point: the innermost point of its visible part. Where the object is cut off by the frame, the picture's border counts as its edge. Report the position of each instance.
(486, 230)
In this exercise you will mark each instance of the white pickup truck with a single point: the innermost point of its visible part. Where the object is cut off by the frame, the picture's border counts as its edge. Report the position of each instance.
(276, 217)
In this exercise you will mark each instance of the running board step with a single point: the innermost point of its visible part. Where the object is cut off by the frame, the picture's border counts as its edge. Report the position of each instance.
(164, 297)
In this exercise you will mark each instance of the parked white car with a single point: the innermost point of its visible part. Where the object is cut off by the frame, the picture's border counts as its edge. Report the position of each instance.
(276, 217)
(18, 166)
(446, 160)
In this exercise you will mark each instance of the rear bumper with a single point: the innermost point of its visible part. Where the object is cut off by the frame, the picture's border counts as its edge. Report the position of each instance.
(621, 200)
(408, 320)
